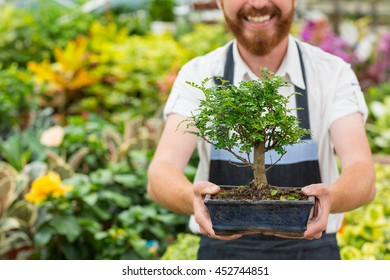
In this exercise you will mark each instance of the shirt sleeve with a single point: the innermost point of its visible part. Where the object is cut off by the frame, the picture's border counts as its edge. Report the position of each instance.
(348, 98)
(184, 99)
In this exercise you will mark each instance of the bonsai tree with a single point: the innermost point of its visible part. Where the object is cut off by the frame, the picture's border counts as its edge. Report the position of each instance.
(252, 116)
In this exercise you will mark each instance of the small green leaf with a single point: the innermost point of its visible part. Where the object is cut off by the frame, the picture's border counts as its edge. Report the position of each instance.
(274, 192)
(43, 236)
(101, 235)
(139, 246)
(117, 198)
(68, 226)
(70, 252)
(102, 214)
(90, 199)
(128, 180)
(7, 224)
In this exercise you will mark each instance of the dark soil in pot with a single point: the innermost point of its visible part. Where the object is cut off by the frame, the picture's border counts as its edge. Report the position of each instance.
(267, 192)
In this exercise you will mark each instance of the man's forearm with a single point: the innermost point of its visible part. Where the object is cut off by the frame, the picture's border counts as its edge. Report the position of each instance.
(354, 188)
(170, 188)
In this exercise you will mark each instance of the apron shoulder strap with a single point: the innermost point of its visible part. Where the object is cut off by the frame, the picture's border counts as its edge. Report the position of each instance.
(228, 73)
(302, 99)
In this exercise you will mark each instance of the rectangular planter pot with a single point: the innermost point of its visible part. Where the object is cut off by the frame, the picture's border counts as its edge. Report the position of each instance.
(287, 217)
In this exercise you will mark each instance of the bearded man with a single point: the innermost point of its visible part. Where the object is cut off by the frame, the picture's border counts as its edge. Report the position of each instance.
(335, 112)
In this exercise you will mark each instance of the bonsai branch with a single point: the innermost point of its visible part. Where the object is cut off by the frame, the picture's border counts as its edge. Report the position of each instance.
(273, 164)
(245, 161)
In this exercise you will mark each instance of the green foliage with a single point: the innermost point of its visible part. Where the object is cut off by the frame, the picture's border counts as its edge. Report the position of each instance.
(377, 93)
(20, 148)
(204, 38)
(19, 41)
(92, 142)
(378, 126)
(16, 98)
(184, 248)
(366, 233)
(107, 215)
(137, 23)
(86, 133)
(16, 216)
(246, 115)
(137, 75)
(252, 115)
(162, 10)
(130, 68)
(135, 72)
(31, 34)
(57, 25)
(62, 84)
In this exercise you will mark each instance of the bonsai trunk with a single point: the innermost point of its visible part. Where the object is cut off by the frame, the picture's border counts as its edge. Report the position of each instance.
(259, 171)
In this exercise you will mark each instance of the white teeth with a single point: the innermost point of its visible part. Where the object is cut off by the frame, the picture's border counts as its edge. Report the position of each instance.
(259, 19)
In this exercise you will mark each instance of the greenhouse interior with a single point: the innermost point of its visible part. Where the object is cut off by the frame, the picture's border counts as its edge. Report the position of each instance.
(83, 85)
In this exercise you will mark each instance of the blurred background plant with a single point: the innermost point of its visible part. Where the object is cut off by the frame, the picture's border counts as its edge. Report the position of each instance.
(185, 247)
(16, 98)
(367, 51)
(378, 127)
(366, 233)
(17, 216)
(162, 10)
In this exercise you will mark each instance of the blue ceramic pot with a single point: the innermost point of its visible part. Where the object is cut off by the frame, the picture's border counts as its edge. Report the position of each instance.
(287, 217)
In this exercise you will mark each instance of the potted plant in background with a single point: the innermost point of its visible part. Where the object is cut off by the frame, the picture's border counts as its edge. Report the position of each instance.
(248, 120)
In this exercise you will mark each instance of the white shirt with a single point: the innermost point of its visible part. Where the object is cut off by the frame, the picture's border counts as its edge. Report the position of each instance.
(333, 92)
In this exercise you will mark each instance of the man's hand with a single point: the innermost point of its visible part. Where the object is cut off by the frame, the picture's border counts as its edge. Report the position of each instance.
(317, 224)
(202, 216)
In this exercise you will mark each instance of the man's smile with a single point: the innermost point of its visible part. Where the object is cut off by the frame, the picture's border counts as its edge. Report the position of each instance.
(258, 19)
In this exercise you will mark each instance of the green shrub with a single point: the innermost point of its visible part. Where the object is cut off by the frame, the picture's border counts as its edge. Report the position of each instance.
(204, 38)
(366, 233)
(86, 132)
(162, 10)
(105, 216)
(378, 125)
(184, 248)
(19, 39)
(16, 99)
(27, 35)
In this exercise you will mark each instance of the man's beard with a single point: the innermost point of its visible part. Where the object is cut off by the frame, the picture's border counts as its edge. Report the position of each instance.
(260, 43)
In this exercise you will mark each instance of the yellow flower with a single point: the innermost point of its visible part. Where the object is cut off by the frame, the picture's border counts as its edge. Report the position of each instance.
(45, 186)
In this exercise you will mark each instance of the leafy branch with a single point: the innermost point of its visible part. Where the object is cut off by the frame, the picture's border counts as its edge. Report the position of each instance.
(252, 116)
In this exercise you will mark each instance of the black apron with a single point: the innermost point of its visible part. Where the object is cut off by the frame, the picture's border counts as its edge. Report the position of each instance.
(297, 168)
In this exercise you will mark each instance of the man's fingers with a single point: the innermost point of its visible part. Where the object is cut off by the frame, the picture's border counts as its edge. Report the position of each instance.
(202, 216)
(204, 188)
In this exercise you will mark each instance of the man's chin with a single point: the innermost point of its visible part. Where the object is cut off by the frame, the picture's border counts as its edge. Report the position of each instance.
(257, 47)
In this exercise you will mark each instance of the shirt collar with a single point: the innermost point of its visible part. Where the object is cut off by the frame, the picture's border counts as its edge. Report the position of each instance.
(290, 67)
